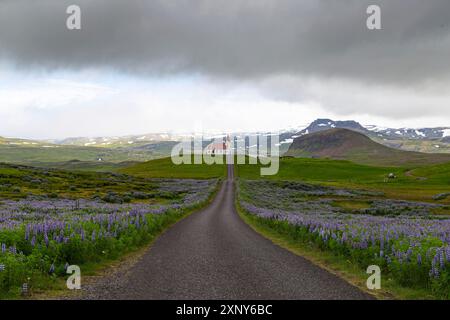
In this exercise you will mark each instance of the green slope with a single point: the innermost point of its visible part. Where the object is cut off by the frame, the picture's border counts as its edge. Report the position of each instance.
(421, 183)
(17, 181)
(77, 165)
(321, 170)
(33, 155)
(164, 168)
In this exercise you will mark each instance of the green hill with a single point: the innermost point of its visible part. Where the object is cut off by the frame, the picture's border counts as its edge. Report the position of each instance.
(35, 155)
(164, 168)
(422, 183)
(344, 144)
(77, 165)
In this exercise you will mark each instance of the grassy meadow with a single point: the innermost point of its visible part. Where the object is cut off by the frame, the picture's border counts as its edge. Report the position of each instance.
(165, 168)
(347, 216)
(53, 218)
(65, 156)
(420, 183)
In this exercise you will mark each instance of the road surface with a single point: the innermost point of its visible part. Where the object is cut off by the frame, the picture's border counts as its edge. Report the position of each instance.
(213, 254)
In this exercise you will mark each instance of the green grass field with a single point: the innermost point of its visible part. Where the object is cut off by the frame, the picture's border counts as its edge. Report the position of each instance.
(93, 166)
(319, 170)
(420, 183)
(165, 168)
(17, 182)
(36, 155)
(286, 191)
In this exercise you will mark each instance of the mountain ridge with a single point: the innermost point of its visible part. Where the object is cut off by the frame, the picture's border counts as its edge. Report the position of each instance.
(384, 132)
(346, 144)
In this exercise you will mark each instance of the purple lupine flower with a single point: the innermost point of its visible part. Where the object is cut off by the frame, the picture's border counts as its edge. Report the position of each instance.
(408, 254)
(27, 232)
(52, 269)
(46, 239)
(434, 272)
(441, 259)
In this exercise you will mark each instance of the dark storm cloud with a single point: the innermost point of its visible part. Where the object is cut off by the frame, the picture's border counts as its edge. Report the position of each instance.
(234, 39)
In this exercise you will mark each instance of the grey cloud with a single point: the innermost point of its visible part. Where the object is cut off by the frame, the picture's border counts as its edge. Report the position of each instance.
(234, 39)
(346, 98)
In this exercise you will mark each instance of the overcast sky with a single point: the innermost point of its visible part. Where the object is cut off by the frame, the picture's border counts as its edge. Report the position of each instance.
(150, 66)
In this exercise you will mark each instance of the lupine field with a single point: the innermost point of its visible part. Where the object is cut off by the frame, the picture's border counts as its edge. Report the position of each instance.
(409, 240)
(41, 235)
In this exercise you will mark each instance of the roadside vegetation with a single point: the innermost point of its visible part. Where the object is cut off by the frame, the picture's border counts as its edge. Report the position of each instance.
(360, 217)
(50, 219)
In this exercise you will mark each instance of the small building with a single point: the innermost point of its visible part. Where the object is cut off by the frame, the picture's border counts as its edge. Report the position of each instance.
(217, 149)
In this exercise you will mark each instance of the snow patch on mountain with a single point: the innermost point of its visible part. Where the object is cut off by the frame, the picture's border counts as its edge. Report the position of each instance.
(419, 133)
(445, 133)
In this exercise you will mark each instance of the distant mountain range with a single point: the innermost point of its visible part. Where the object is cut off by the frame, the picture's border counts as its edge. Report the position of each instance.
(154, 145)
(118, 141)
(346, 144)
(436, 134)
(430, 140)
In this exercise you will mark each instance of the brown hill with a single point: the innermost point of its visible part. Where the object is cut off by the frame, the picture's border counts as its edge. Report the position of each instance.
(344, 144)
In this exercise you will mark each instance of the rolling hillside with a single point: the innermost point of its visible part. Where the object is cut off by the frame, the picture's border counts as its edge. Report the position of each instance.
(165, 168)
(344, 144)
(41, 154)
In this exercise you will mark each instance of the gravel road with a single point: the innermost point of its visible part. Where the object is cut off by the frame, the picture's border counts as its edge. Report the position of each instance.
(213, 254)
